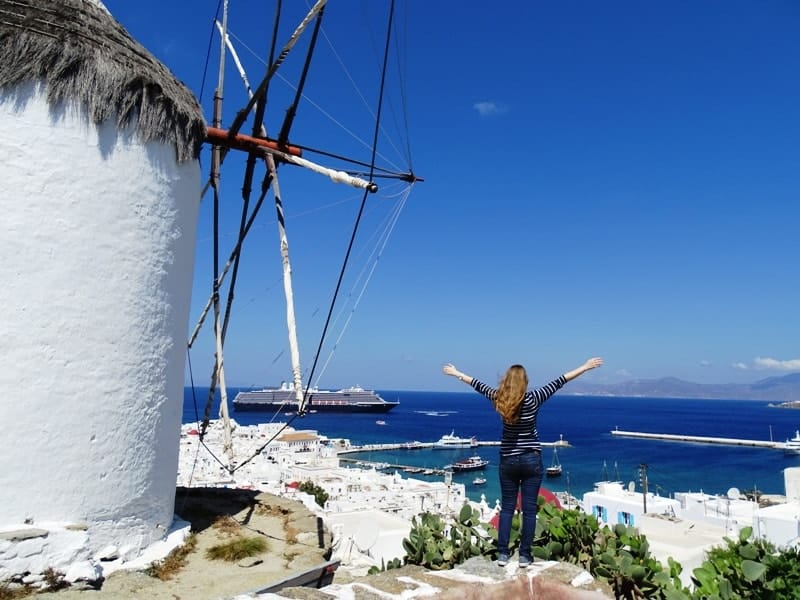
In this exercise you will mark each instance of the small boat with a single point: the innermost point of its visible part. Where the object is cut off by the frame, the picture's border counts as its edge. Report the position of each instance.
(380, 422)
(473, 463)
(792, 446)
(453, 441)
(479, 481)
(554, 470)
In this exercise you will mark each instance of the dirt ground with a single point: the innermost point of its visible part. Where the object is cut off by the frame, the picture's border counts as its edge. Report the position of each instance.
(294, 538)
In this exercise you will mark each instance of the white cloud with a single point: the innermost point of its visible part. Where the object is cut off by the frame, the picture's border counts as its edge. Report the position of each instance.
(488, 108)
(623, 373)
(773, 364)
(706, 363)
(740, 366)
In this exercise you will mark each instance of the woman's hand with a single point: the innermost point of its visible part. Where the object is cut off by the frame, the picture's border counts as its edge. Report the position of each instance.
(592, 363)
(450, 369)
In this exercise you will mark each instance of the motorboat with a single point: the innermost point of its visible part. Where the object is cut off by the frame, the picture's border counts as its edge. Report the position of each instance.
(554, 470)
(792, 445)
(453, 441)
(473, 463)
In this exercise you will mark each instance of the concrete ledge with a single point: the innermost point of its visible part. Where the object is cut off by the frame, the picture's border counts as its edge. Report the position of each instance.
(18, 535)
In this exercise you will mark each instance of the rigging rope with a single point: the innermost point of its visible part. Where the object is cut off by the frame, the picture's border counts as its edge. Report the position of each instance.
(288, 120)
(262, 87)
(385, 239)
(301, 410)
(398, 173)
(258, 99)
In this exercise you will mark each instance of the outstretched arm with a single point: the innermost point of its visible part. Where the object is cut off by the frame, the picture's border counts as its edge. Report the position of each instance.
(590, 364)
(450, 370)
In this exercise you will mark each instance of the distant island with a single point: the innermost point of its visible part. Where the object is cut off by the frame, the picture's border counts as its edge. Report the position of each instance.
(784, 390)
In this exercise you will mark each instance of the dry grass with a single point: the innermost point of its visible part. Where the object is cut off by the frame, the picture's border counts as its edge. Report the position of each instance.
(291, 533)
(272, 511)
(290, 555)
(237, 549)
(285, 514)
(53, 582)
(227, 525)
(7, 592)
(174, 561)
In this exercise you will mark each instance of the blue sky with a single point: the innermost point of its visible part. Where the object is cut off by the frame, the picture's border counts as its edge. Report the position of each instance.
(616, 179)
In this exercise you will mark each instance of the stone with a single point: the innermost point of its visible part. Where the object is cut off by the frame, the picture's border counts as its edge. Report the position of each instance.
(17, 535)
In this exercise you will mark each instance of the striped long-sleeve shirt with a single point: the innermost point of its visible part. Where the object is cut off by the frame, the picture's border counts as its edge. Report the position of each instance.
(522, 436)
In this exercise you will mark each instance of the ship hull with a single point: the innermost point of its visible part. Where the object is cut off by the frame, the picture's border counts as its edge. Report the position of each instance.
(323, 408)
(352, 400)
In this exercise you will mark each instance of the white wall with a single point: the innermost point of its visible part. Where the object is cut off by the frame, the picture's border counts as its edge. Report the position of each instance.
(98, 235)
(791, 483)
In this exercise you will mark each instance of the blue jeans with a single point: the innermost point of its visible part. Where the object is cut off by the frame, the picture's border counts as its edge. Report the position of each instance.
(521, 473)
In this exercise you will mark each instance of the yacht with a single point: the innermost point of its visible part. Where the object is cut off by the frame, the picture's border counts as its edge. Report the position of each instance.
(473, 463)
(792, 446)
(453, 441)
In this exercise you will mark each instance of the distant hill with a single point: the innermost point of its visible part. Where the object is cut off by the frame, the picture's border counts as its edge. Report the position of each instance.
(777, 389)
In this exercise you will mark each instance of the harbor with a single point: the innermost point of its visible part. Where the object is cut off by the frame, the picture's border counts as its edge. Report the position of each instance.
(415, 469)
(699, 439)
(562, 443)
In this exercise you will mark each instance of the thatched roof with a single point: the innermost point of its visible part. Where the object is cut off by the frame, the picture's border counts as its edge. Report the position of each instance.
(83, 55)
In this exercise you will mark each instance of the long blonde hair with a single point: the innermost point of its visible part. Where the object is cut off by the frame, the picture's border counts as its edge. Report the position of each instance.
(510, 393)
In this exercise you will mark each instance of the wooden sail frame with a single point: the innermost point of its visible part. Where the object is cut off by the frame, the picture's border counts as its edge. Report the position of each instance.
(273, 153)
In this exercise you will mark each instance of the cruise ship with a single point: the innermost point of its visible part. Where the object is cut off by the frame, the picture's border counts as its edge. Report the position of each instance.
(349, 400)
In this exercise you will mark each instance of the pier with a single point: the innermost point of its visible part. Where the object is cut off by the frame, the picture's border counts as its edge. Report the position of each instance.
(698, 439)
(380, 466)
(562, 443)
(416, 469)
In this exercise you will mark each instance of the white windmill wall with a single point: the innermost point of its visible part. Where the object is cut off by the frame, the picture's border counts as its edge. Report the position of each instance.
(791, 482)
(97, 247)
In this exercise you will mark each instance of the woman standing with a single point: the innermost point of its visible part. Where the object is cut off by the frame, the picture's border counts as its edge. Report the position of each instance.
(520, 449)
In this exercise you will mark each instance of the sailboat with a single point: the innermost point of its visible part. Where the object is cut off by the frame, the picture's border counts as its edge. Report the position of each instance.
(554, 470)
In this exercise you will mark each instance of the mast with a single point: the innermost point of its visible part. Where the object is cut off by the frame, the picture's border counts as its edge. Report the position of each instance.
(294, 348)
(216, 159)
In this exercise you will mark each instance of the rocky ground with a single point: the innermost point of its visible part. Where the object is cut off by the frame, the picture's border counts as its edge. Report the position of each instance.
(217, 515)
(297, 543)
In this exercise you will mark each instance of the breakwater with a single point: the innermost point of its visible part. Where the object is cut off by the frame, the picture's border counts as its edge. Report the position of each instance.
(699, 439)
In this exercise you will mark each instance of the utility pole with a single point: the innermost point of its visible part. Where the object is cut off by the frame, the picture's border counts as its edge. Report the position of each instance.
(643, 480)
(568, 496)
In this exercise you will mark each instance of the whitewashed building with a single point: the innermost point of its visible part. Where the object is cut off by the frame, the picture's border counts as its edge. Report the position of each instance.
(780, 524)
(102, 183)
(611, 503)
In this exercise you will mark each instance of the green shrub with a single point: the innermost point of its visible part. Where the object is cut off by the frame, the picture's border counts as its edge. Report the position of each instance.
(748, 568)
(395, 563)
(237, 549)
(320, 495)
(741, 569)
(438, 545)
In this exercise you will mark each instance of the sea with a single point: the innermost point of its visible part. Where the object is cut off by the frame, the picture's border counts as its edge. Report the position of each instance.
(584, 422)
